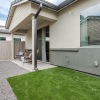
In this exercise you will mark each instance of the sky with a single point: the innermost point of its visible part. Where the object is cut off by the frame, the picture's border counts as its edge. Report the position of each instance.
(92, 11)
(4, 9)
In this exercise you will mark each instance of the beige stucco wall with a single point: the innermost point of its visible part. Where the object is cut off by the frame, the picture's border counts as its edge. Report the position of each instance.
(65, 33)
(28, 38)
(20, 36)
(45, 14)
(8, 37)
(20, 13)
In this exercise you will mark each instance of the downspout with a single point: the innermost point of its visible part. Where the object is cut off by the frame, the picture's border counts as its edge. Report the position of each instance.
(35, 35)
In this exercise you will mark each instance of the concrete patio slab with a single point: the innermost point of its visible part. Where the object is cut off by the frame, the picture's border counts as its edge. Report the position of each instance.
(28, 66)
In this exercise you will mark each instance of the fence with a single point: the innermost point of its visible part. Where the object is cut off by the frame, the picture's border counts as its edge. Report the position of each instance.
(5, 49)
(18, 46)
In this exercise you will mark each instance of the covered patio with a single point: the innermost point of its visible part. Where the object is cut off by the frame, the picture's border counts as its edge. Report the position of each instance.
(28, 18)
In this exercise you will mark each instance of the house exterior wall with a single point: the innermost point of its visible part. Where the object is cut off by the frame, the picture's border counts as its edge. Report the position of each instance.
(20, 36)
(82, 59)
(8, 37)
(43, 24)
(65, 32)
(28, 39)
(65, 47)
(46, 14)
(20, 13)
(23, 13)
(4, 33)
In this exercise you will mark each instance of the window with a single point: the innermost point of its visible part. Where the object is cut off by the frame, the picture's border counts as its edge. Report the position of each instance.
(17, 39)
(90, 26)
(2, 38)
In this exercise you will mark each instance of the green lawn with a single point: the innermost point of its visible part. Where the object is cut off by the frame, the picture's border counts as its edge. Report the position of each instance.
(56, 84)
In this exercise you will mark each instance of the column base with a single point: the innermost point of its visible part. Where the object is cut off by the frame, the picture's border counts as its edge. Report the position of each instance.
(36, 69)
(12, 59)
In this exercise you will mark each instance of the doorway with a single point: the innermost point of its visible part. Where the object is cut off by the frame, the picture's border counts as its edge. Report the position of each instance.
(47, 44)
(43, 44)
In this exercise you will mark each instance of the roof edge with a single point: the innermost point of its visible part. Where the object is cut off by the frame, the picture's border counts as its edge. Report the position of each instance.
(13, 4)
(45, 4)
(54, 7)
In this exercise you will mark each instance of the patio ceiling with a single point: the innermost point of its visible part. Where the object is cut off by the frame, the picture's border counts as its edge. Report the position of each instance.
(41, 23)
(29, 24)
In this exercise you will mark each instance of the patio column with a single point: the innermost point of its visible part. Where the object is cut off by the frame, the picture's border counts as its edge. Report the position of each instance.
(34, 37)
(12, 46)
(44, 44)
(34, 43)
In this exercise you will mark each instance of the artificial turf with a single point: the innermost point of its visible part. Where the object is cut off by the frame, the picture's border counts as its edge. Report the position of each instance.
(55, 84)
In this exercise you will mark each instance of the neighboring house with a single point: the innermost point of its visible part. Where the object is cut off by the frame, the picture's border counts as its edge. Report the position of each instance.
(5, 35)
(59, 32)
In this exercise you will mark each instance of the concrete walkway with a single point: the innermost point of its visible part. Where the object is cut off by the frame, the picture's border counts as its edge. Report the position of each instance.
(8, 69)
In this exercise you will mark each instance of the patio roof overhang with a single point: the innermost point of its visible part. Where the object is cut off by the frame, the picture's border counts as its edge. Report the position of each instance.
(47, 5)
(26, 14)
(52, 6)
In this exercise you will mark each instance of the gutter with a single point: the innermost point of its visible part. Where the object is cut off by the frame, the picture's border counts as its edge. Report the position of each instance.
(39, 10)
(44, 3)
(54, 7)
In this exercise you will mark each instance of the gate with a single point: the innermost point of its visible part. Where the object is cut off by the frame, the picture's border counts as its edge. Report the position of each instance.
(5, 49)
(18, 46)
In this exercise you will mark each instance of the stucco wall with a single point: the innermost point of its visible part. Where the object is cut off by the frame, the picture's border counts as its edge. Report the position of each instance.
(65, 33)
(20, 36)
(20, 13)
(82, 59)
(45, 14)
(8, 37)
(28, 43)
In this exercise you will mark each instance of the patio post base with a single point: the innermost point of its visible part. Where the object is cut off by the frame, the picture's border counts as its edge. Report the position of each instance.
(36, 69)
